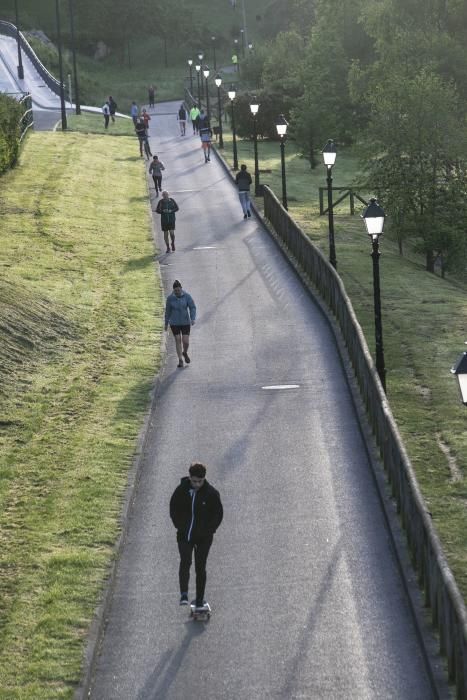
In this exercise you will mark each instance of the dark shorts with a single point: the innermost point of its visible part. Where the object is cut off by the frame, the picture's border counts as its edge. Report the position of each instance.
(184, 330)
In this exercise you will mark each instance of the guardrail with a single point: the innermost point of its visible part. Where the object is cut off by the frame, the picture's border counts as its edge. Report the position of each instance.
(441, 594)
(27, 119)
(9, 29)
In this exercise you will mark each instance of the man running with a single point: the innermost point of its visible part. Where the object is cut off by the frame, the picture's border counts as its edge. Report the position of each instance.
(155, 169)
(196, 511)
(180, 315)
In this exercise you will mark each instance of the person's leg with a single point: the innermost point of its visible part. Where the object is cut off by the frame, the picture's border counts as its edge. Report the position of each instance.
(241, 196)
(172, 239)
(159, 182)
(209, 150)
(166, 240)
(201, 556)
(178, 348)
(154, 177)
(186, 345)
(186, 552)
(247, 203)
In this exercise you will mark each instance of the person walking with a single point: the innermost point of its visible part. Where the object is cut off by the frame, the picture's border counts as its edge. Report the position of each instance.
(106, 113)
(180, 315)
(134, 112)
(112, 108)
(167, 207)
(145, 116)
(243, 182)
(196, 512)
(205, 134)
(155, 169)
(151, 95)
(142, 135)
(182, 119)
(194, 114)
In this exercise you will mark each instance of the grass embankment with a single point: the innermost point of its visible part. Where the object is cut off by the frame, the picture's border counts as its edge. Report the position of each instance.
(79, 348)
(424, 328)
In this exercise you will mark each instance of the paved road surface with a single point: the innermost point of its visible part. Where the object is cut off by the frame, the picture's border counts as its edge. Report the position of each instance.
(306, 597)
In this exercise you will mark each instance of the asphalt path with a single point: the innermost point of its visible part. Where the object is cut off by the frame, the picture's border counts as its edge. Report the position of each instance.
(306, 596)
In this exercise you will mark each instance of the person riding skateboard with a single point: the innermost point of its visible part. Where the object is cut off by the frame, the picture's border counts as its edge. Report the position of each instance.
(196, 512)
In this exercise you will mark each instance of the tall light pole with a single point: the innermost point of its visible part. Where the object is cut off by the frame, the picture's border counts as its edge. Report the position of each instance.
(190, 63)
(206, 75)
(373, 216)
(213, 38)
(60, 66)
(18, 43)
(73, 52)
(231, 95)
(198, 68)
(254, 107)
(218, 81)
(242, 32)
(281, 128)
(329, 157)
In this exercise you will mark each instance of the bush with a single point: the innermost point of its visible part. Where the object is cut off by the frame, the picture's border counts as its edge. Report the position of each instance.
(10, 116)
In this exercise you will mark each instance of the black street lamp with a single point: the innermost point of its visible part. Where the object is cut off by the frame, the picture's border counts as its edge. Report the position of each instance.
(242, 32)
(18, 43)
(73, 52)
(231, 95)
(213, 38)
(329, 157)
(281, 127)
(254, 107)
(218, 81)
(60, 66)
(206, 75)
(190, 63)
(373, 216)
(198, 68)
(460, 370)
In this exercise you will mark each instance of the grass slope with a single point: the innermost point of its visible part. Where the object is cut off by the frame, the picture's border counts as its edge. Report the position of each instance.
(424, 329)
(79, 347)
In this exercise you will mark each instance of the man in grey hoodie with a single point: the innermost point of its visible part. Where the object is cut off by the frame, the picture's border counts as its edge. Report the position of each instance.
(180, 315)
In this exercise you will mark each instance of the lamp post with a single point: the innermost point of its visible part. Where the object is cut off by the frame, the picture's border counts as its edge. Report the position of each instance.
(18, 43)
(198, 68)
(206, 75)
(329, 157)
(231, 95)
(218, 81)
(242, 32)
(373, 216)
(213, 38)
(460, 370)
(60, 66)
(254, 107)
(190, 63)
(281, 127)
(73, 51)
(250, 46)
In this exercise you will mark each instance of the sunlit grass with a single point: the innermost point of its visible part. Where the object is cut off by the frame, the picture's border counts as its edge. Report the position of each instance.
(79, 331)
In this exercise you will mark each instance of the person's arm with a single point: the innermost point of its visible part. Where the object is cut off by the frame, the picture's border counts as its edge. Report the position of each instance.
(159, 207)
(217, 512)
(167, 313)
(236, 178)
(174, 514)
(192, 307)
(175, 205)
(249, 179)
(161, 165)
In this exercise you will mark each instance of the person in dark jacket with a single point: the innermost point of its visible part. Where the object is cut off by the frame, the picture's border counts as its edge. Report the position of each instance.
(180, 315)
(196, 511)
(167, 207)
(112, 108)
(243, 182)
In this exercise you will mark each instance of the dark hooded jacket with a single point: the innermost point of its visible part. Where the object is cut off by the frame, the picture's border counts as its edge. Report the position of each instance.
(195, 514)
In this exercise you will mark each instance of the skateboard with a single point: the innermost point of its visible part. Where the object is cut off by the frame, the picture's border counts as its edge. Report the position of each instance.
(203, 614)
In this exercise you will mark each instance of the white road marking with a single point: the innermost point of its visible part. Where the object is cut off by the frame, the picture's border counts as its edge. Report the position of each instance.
(277, 387)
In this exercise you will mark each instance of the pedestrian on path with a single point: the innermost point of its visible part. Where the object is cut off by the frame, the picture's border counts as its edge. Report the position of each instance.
(145, 116)
(155, 169)
(151, 95)
(205, 134)
(134, 112)
(142, 135)
(167, 207)
(106, 113)
(112, 108)
(243, 182)
(196, 511)
(180, 315)
(182, 119)
(194, 114)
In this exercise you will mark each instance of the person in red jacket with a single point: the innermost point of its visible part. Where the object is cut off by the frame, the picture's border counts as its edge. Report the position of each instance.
(196, 512)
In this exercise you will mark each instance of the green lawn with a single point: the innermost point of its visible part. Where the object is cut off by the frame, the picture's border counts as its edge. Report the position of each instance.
(424, 328)
(80, 335)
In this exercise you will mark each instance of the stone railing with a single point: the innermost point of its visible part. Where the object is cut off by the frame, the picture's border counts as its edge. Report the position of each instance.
(448, 611)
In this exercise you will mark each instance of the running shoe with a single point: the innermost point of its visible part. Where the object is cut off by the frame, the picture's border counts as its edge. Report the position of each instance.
(185, 355)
